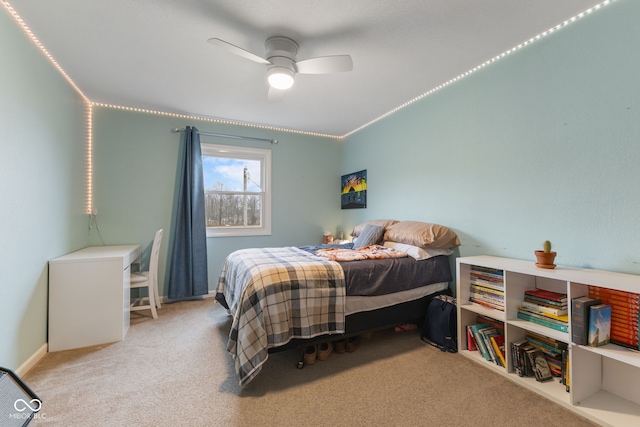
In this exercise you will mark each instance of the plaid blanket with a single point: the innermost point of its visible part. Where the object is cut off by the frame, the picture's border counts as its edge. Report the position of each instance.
(275, 295)
(366, 252)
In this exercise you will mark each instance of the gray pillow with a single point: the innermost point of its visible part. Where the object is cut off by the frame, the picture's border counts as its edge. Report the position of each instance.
(370, 235)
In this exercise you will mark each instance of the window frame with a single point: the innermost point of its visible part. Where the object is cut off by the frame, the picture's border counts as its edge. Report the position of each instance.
(262, 155)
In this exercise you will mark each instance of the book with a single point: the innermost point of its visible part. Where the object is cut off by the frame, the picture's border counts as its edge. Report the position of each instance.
(539, 365)
(479, 341)
(580, 319)
(614, 294)
(487, 304)
(493, 273)
(564, 372)
(552, 343)
(547, 295)
(543, 308)
(599, 325)
(621, 307)
(563, 327)
(563, 318)
(486, 334)
(487, 284)
(553, 352)
(479, 289)
(497, 341)
(624, 318)
(546, 302)
(493, 322)
(517, 354)
(567, 377)
(471, 341)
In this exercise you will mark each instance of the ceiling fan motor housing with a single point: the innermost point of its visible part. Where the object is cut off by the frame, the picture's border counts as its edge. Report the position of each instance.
(281, 46)
(281, 53)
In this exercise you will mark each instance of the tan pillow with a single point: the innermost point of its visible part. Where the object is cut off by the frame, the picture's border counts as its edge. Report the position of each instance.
(422, 234)
(383, 222)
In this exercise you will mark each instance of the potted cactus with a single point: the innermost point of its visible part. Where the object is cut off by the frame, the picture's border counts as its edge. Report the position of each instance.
(546, 256)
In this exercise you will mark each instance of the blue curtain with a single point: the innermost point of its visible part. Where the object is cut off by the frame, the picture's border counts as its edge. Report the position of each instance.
(188, 274)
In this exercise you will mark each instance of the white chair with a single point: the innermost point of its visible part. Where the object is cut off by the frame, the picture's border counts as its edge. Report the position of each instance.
(148, 279)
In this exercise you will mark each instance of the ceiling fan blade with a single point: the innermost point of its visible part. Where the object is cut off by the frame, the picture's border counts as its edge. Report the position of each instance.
(275, 95)
(237, 50)
(325, 65)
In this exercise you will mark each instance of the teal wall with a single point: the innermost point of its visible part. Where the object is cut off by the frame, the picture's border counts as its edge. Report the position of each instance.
(543, 144)
(42, 187)
(136, 161)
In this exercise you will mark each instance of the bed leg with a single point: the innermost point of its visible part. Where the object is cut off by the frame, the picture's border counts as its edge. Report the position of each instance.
(300, 363)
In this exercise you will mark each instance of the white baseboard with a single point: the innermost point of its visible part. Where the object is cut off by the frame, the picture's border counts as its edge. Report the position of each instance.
(31, 362)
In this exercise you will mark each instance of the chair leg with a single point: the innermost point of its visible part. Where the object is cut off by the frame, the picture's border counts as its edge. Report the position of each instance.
(152, 299)
(157, 295)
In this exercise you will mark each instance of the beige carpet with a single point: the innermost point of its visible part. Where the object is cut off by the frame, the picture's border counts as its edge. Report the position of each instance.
(174, 371)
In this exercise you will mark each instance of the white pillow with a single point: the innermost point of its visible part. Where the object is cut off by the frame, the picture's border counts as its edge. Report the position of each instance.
(417, 252)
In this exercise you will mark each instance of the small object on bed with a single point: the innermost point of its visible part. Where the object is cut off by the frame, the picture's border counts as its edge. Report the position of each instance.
(367, 252)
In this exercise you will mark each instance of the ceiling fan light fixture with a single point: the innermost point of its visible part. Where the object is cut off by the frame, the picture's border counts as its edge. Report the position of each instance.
(280, 77)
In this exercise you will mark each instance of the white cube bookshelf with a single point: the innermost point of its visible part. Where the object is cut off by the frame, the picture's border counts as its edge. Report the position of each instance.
(605, 381)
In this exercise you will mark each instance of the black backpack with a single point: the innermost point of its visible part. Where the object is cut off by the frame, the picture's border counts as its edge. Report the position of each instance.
(441, 324)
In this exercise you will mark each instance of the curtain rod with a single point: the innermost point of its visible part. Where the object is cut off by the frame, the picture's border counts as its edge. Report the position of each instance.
(222, 135)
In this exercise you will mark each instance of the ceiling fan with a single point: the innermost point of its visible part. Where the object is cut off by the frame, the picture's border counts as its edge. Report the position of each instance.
(282, 65)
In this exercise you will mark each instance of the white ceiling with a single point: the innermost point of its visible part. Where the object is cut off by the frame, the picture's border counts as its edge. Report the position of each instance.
(153, 54)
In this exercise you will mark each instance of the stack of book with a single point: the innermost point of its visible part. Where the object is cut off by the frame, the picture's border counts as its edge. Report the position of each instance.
(545, 308)
(624, 314)
(538, 353)
(487, 287)
(552, 350)
(487, 337)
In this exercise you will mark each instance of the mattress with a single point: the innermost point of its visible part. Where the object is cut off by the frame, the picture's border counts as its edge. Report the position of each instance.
(358, 303)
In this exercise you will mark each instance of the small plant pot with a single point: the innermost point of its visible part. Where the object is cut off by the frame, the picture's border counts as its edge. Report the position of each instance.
(545, 259)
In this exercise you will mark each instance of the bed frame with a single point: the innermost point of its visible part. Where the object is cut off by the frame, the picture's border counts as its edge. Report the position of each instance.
(371, 321)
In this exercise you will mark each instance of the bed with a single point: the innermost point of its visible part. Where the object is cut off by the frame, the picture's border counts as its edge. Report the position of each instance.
(282, 298)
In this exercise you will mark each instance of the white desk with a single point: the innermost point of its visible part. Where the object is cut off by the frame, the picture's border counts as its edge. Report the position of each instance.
(89, 296)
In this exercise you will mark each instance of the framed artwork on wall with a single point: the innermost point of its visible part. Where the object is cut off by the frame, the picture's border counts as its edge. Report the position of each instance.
(354, 190)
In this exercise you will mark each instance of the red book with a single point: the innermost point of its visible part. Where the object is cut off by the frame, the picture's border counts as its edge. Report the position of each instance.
(614, 292)
(625, 329)
(624, 317)
(624, 340)
(471, 341)
(623, 307)
(493, 322)
(545, 294)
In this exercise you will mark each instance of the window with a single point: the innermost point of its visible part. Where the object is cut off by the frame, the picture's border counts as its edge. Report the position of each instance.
(237, 189)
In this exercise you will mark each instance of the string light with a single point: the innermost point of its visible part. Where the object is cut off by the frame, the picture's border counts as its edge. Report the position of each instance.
(89, 160)
(479, 67)
(266, 127)
(216, 120)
